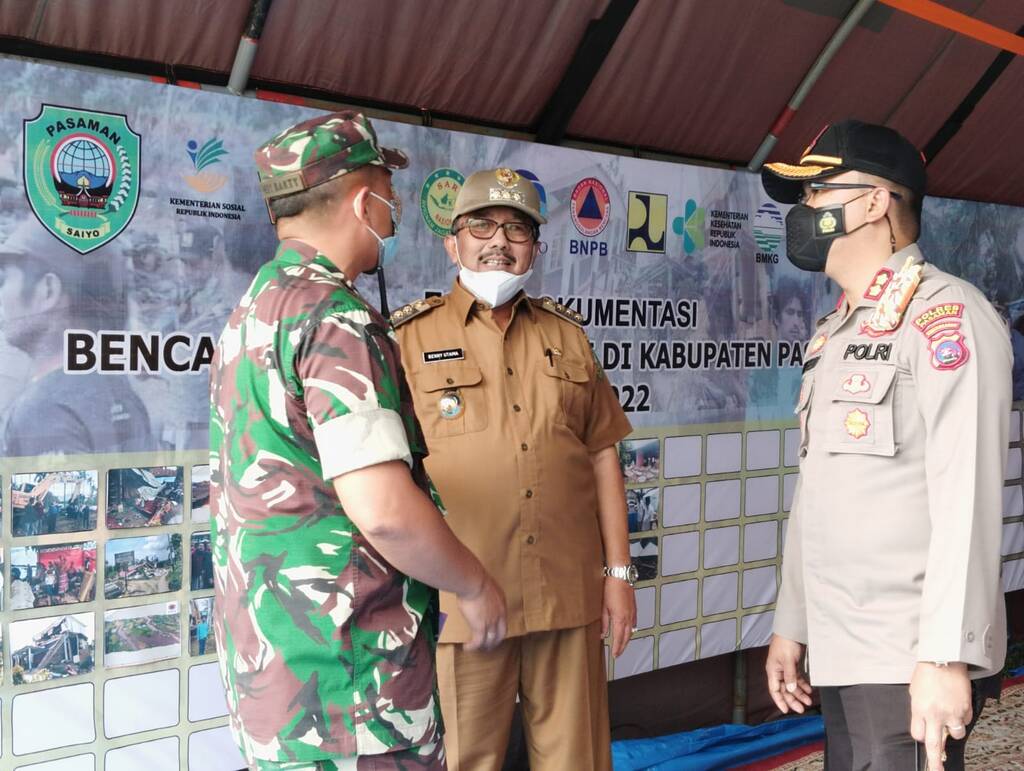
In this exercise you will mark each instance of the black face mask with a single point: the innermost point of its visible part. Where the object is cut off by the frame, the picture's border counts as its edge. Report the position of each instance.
(811, 232)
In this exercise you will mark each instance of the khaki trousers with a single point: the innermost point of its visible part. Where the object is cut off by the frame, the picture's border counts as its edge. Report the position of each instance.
(561, 682)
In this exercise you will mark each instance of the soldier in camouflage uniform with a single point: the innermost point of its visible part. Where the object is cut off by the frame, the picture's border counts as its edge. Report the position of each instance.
(325, 530)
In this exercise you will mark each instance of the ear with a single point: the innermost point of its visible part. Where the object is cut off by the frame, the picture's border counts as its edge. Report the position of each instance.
(449, 247)
(879, 201)
(48, 292)
(361, 204)
(539, 248)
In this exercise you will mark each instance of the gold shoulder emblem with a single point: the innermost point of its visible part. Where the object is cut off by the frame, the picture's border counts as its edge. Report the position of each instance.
(558, 309)
(414, 309)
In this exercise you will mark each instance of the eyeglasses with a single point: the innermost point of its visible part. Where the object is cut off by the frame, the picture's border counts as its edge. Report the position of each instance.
(813, 186)
(515, 231)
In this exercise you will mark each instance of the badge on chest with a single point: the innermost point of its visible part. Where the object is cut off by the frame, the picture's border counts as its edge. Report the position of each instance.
(450, 405)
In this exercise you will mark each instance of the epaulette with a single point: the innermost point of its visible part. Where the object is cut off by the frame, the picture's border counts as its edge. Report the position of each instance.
(894, 300)
(414, 309)
(558, 309)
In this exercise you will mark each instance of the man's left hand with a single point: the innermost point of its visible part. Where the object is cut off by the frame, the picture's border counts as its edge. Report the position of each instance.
(619, 616)
(940, 706)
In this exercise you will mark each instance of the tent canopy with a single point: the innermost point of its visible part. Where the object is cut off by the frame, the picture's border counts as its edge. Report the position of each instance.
(699, 79)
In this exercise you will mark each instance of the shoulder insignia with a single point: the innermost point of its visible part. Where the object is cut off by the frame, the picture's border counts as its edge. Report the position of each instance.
(893, 301)
(558, 309)
(878, 285)
(414, 309)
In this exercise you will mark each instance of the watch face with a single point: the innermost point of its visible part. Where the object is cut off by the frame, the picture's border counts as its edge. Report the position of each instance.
(631, 574)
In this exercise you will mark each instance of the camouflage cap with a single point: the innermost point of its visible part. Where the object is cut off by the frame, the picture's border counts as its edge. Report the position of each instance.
(498, 187)
(320, 149)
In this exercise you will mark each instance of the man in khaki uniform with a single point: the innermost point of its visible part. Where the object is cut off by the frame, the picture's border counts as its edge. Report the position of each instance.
(891, 572)
(521, 425)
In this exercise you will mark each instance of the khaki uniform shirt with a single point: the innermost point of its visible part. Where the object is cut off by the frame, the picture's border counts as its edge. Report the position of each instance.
(511, 419)
(893, 549)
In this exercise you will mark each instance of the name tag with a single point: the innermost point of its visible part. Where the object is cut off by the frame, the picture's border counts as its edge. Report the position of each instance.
(449, 354)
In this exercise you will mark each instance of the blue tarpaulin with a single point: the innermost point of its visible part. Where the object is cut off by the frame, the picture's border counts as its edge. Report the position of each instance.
(718, 747)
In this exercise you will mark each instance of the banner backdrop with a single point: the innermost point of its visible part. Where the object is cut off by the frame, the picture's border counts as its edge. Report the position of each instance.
(142, 201)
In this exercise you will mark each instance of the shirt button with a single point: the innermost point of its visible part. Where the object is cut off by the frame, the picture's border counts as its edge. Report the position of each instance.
(530, 540)
(524, 447)
(517, 408)
(970, 637)
(529, 493)
(449, 381)
(508, 370)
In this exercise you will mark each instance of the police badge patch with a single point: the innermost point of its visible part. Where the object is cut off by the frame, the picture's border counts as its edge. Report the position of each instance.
(940, 324)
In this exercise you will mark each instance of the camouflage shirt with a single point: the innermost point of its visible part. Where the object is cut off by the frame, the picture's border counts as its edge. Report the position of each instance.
(326, 650)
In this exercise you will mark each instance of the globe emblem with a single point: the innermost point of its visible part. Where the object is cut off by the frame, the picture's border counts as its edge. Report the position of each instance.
(84, 173)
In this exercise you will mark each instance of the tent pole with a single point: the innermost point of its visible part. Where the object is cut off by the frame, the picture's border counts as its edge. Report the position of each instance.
(831, 48)
(246, 53)
(739, 688)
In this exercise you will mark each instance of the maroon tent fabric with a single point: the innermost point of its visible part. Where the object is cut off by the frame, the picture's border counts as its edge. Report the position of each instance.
(690, 78)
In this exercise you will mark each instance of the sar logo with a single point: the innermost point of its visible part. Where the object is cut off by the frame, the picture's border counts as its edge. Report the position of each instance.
(590, 207)
(205, 179)
(437, 199)
(81, 174)
(647, 218)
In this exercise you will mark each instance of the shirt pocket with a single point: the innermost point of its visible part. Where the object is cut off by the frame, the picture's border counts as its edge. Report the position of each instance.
(860, 416)
(450, 400)
(569, 380)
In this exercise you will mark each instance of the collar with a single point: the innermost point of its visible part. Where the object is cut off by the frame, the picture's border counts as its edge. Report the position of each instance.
(466, 303)
(292, 251)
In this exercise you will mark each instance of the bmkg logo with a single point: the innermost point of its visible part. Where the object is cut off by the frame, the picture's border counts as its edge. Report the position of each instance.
(81, 174)
(205, 180)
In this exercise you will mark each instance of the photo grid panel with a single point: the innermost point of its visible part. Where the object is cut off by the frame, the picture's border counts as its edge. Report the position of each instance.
(108, 613)
(706, 509)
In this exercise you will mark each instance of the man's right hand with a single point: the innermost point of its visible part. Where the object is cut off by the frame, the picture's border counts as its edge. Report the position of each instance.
(787, 686)
(485, 613)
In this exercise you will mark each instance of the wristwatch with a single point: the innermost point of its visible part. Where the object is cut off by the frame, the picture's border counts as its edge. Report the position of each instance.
(625, 573)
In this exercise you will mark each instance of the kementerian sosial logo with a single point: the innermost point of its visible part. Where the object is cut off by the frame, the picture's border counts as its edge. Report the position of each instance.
(81, 174)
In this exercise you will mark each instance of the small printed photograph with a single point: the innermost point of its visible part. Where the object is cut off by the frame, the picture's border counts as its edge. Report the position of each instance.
(643, 552)
(200, 627)
(58, 574)
(145, 497)
(51, 648)
(640, 459)
(202, 562)
(141, 634)
(201, 493)
(54, 502)
(148, 564)
(642, 508)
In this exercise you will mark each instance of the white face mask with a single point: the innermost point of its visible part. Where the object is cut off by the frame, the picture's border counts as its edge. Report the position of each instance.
(494, 287)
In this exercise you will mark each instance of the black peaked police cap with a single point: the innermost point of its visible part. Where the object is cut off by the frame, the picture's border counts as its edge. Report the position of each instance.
(848, 146)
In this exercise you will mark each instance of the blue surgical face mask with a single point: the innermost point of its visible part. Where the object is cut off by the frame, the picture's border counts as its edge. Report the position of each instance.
(387, 248)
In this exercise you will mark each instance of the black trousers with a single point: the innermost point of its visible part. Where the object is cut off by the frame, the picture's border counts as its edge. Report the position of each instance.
(867, 728)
